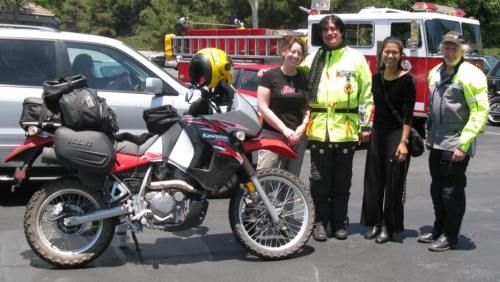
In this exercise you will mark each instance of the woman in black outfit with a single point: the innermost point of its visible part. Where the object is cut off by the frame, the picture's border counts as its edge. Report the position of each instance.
(387, 158)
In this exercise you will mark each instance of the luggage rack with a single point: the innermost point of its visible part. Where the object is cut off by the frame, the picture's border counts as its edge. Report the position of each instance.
(31, 27)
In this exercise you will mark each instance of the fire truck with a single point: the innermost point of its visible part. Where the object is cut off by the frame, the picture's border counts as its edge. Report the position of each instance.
(421, 31)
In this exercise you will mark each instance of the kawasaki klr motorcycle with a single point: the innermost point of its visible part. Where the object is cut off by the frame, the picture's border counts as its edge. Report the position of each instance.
(161, 182)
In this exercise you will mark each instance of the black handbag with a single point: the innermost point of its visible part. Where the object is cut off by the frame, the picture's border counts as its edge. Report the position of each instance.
(415, 142)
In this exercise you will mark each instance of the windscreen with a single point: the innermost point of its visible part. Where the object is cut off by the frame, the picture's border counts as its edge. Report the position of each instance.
(436, 28)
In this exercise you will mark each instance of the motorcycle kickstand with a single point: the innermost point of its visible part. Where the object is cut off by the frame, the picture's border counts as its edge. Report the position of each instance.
(137, 248)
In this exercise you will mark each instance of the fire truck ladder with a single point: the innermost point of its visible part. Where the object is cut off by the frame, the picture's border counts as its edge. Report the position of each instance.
(260, 47)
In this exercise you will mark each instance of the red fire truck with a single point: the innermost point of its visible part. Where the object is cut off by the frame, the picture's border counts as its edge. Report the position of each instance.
(421, 31)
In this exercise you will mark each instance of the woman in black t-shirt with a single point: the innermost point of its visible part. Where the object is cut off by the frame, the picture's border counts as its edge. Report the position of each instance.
(387, 158)
(281, 101)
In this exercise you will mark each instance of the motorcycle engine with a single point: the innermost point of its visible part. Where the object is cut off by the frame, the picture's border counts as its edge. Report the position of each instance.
(169, 206)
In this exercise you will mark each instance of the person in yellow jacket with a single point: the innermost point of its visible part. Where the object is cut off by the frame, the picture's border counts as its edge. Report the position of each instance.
(340, 102)
(458, 111)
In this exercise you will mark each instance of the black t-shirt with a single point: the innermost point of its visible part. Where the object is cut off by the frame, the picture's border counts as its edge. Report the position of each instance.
(287, 99)
(401, 92)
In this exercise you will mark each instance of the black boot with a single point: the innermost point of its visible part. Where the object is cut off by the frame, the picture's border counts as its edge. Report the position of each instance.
(384, 236)
(319, 232)
(372, 232)
(443, 244)
(340, 233)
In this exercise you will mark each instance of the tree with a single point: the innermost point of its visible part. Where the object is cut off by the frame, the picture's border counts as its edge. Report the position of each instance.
(12, 7)
(73, 16)
(254, 5)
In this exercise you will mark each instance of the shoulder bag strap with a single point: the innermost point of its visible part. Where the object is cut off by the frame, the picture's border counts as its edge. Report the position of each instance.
(394, 112)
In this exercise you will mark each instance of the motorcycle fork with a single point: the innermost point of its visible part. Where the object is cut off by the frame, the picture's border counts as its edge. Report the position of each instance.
(257, 191)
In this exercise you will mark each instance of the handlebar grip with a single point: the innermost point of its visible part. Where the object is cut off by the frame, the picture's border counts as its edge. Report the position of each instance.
(42, 125)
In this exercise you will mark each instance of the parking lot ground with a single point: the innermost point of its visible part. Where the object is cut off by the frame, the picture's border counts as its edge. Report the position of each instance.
(211, 253)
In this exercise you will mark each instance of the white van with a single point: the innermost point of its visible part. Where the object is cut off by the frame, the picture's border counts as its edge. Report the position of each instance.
(31, 55)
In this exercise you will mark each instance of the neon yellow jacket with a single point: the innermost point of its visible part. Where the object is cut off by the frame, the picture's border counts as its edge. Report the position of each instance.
(458, 109)
(344, 101)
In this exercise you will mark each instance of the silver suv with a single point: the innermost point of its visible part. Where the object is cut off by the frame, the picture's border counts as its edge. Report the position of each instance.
(29, 56)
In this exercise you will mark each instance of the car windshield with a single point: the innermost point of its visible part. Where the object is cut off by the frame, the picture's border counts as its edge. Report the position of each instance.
(436, 28)
(496, 70)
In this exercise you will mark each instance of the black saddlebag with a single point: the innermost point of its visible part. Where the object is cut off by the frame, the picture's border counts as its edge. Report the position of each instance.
(83, 109)
(35, 111)
(54, 89)
(160, 119)
(90, 151)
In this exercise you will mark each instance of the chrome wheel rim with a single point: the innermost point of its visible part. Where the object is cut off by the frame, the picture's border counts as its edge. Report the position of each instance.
(68, 240)
(292, 210)
(494, 108)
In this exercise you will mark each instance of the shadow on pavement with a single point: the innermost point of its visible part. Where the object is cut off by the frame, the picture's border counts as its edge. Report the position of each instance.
(20, 197)
(183, 249)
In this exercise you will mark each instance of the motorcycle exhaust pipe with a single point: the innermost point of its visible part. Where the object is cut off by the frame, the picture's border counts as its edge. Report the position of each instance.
(177, 184)
(96, 215)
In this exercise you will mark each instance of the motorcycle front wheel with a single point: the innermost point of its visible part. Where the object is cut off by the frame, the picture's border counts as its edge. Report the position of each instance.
(253, 227)
(53, 241)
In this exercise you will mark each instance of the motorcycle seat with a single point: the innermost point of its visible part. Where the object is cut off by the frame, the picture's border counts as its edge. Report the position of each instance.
(136, 139)
(128, 147)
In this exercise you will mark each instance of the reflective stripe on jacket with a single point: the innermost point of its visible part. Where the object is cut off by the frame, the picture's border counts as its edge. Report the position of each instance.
(344, 102)
(458, 109)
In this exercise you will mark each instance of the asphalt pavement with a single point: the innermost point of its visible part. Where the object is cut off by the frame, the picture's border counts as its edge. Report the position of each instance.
(211, 253)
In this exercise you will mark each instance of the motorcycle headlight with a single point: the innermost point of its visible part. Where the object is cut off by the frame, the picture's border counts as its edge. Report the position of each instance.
(33, 130)
(240, 135)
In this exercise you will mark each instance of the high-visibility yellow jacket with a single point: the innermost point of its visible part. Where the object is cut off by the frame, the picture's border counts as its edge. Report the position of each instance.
(458, 109)
(344, 100)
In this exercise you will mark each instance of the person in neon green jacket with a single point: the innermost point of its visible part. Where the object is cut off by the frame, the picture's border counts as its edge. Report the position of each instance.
(340, 103)
(458, 111)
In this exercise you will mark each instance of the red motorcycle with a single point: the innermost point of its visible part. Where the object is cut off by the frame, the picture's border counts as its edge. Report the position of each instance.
(161, 181)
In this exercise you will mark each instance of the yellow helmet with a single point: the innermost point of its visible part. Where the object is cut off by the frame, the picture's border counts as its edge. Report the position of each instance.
(209, 67)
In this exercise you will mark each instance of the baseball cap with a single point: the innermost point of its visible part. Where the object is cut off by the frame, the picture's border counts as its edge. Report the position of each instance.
(453, 37)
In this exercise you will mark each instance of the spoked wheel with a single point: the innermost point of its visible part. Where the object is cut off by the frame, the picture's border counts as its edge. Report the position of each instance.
(255, 229)
(494, 112)
(57, 243)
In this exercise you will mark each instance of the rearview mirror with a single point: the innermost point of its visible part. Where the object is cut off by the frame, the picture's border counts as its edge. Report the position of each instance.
(412, 42)
(154, 85)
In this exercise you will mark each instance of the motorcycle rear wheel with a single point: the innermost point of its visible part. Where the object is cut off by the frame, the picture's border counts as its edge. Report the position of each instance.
(60, 245)
(254, 228)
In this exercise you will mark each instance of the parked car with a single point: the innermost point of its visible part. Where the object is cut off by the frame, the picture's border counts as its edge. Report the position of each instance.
(31, 55)
(494, 94)
(156, 57)
(246, 80)
(489, 62)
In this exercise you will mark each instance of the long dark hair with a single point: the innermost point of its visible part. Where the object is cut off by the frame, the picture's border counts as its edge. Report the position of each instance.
(323, 25)
(399, 43)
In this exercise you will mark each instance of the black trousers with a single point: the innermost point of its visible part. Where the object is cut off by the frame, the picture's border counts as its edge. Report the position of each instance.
(384, 181)
(447, 192)
(330, 180)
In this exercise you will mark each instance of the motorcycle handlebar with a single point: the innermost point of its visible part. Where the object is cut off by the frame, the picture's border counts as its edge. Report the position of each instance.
(41, 125)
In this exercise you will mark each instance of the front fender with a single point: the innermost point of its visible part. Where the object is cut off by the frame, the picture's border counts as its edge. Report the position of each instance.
(31, 142)
(274, 145)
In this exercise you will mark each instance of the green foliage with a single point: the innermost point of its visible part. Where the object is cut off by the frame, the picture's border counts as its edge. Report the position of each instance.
(73, 15)
(492, 51)
(146, 22)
